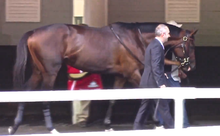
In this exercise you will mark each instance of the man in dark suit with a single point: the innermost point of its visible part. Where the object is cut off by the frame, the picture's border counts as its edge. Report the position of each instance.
(153, 77)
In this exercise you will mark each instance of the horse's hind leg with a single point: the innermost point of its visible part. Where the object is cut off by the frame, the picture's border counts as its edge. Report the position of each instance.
(119, 83)
(48, 83)
(18, 119)
(47, 117)
(32, 83)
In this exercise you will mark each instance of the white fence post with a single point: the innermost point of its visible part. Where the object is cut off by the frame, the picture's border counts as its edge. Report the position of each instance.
(178, 121)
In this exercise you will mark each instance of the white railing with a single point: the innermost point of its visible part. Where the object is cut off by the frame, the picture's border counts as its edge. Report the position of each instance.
(178, 94)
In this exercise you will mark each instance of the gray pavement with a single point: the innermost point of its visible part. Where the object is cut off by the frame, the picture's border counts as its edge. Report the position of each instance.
(34, 125)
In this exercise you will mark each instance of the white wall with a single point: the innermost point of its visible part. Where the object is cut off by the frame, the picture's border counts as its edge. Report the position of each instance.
(78, 7)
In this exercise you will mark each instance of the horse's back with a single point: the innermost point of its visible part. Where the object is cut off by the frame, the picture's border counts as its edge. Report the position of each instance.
(92, 48)
(68, 37)
(48, 32)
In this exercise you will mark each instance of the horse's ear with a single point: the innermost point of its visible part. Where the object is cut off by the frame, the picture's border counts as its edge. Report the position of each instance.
(194, 32)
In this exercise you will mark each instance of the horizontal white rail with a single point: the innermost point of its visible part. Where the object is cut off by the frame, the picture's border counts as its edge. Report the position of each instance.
(176, 93)
(110, 94)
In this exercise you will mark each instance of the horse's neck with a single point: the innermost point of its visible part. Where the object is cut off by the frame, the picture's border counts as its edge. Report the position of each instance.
(149, 37)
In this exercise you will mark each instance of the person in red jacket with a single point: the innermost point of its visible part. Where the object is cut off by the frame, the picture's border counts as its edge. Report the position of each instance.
(80, 80)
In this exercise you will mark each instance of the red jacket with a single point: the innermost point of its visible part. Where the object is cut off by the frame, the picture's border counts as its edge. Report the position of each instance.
(84, 80)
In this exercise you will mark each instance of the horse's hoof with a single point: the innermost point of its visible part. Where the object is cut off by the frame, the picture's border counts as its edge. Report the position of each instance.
(109, 130)
(107, 126)
(54, 131)
(11, 130)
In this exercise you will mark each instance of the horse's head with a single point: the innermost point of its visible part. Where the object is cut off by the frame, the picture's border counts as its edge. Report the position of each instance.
(184, 48)
(181, 41)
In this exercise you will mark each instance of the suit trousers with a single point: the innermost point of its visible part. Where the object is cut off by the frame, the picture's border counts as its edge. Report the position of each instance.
(144, 112)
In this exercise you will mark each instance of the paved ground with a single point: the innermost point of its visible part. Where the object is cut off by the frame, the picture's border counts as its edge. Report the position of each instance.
(35, 125)
(122, 118)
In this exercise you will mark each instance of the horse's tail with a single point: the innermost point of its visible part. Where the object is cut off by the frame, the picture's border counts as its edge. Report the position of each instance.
(21, 61)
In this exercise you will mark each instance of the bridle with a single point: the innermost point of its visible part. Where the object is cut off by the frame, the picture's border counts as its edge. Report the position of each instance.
(184, 61)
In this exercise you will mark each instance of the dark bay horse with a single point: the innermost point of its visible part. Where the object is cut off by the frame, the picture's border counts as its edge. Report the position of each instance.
(115, 49)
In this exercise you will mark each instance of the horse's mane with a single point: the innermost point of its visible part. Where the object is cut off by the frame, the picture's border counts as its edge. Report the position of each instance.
(148, 27)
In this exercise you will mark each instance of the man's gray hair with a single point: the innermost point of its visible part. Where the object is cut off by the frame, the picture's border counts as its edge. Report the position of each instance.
(161, 28)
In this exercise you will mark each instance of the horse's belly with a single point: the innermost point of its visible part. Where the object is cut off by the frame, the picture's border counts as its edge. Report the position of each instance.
(94, 65)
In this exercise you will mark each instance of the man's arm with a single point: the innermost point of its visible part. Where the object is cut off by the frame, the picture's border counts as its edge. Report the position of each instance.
(157, 64)
(171, 62)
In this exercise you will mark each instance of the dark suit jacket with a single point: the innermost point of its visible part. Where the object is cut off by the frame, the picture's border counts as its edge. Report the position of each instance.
(153, 75)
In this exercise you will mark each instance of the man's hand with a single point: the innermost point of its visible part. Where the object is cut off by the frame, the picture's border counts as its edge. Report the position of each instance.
(162, 86)
(165, 74)
(177, 63)
(171, 62)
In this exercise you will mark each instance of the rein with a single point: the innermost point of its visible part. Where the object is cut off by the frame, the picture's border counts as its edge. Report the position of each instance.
(119, 39)
(142, 39)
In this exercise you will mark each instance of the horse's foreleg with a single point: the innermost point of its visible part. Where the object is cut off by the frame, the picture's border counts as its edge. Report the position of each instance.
(107, 120)
(135, 78)
(119, 83)
(18, 119)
